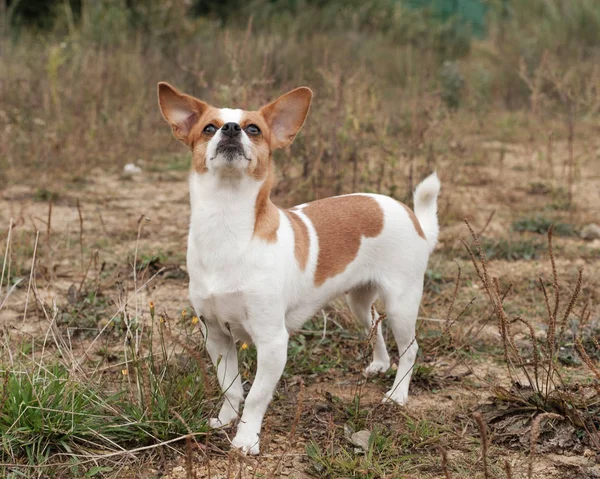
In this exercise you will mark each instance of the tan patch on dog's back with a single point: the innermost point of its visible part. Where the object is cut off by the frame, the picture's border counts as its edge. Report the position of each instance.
(415, 221)
(340, 223)
(301, 238)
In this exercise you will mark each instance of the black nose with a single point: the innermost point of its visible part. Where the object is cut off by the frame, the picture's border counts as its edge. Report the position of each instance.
(231, 129)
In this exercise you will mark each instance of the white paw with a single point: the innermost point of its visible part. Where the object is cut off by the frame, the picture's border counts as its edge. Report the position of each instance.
(226, 416)
(376, 367)
(215, 423)
(248, 443)
(399, 397)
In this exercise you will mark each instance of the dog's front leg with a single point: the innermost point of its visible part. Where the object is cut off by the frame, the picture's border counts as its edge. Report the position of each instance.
(223, 353)
(271, 349)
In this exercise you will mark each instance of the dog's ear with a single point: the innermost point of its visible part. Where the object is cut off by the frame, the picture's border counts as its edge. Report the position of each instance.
(286, 115)
(180, 110)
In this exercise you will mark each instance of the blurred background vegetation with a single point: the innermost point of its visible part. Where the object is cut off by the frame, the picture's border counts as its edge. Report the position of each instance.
(398, 83)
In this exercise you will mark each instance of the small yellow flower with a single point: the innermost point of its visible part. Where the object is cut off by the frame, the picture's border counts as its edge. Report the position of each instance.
(244, 346)
(161, 319)
(184, 312)
(152, 309)
(195, 320)
(124, 372)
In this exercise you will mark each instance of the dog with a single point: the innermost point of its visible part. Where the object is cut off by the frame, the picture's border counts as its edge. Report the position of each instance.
(258, 272)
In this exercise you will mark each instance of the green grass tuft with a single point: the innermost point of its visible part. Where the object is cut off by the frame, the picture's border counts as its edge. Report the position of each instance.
(46, 411)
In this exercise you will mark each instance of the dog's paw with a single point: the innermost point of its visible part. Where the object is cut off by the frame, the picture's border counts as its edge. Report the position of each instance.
(216, 423)
(376, 367)
(247, 443)
(227, 416)
(399, 397)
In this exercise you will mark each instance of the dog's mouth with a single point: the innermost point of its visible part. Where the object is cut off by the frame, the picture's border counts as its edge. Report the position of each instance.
(231, 150)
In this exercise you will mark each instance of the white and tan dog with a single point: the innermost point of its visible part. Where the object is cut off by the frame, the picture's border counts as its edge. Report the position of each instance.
(258, 272)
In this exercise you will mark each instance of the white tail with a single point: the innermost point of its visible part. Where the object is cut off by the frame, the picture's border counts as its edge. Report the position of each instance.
(425, 199)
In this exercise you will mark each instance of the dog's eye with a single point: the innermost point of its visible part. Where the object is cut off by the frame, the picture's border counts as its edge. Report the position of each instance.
(253, 130)
(210, 129)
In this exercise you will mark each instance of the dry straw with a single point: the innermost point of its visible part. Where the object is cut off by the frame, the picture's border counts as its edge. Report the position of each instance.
(444, 455)
(484, 443)
(515, 362)
(535, 435)
(585, 357)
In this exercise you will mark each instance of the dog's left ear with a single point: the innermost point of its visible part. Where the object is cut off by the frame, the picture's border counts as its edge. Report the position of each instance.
(286, 115)
(180, 110)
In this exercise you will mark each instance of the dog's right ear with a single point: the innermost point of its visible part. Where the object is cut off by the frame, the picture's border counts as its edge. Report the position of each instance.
(180, 110)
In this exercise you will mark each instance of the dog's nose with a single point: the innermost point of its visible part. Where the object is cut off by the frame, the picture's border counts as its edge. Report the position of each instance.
(231, 129)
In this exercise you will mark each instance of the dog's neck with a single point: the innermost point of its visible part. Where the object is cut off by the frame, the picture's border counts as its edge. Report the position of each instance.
(227, 210)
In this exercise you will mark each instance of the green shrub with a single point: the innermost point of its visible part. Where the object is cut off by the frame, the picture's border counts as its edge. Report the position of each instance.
(452, 83)
(540, 225)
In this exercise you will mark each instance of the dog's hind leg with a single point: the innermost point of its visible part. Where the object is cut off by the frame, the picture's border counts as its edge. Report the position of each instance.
(360, 301)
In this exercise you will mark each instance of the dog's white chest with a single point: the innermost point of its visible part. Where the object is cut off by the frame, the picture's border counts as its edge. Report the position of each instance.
(217, 293)
(229, 310)
(223, 284)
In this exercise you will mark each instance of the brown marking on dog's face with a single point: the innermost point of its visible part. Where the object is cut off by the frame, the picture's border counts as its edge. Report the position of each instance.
(198, 139)
(301, 238)
(415, 221)
(261, 149)
(340, 223)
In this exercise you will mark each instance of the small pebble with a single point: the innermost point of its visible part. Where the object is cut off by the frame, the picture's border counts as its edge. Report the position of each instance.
(131, 169)
(590, 232)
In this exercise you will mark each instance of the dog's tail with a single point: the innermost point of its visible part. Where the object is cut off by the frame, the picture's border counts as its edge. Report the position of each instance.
(425, 199)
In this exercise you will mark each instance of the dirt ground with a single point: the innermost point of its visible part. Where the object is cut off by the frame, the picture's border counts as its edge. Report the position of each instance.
(91, 233)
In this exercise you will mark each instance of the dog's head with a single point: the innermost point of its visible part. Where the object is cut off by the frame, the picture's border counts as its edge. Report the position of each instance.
(233, 142)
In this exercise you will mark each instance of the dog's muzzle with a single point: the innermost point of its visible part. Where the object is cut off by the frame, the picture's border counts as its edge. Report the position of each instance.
(230, 148)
